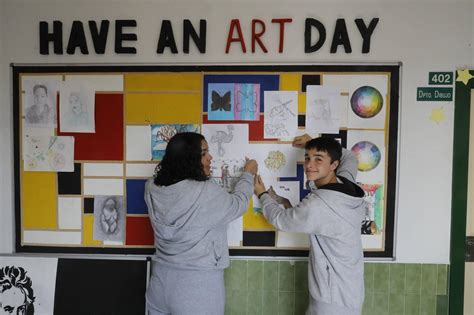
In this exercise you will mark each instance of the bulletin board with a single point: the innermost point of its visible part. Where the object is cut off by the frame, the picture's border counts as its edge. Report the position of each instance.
(88, 137)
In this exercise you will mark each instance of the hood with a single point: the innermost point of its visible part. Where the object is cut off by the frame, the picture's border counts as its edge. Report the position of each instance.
(346, 199)
(172, 207)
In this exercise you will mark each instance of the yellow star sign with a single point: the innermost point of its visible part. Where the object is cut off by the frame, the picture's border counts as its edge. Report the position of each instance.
(437, 115)
(464, 76)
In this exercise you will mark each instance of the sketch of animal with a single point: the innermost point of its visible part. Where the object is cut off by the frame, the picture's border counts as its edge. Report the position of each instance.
(282, 111)
(278, 115)
(221, 103)
(278, 130)
(325, 106)
(221, 137)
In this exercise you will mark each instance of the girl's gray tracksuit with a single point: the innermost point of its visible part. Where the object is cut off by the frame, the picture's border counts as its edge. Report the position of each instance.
(189, 221)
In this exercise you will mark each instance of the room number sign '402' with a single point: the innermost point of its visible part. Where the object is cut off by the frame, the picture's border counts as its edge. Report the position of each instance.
(440, 78)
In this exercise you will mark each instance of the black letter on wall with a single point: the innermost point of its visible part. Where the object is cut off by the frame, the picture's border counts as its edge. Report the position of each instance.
(120, 36)
(341, 37)
(99, 38)
(199, 40)
(56, 37)
(366, 32)
(166, 38)
(309, 24)
(77, 38)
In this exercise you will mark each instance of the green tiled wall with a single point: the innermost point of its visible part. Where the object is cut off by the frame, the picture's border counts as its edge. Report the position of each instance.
(281, 288)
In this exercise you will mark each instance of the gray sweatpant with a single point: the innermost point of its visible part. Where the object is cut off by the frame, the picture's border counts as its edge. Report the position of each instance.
(185, 292)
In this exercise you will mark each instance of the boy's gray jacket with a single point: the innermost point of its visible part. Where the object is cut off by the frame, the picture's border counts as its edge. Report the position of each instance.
(190, 219)
(333, 221)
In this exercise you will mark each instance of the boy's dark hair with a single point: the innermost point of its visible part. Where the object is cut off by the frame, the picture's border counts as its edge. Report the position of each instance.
(326, 144)
(40, 86)
(182, 160)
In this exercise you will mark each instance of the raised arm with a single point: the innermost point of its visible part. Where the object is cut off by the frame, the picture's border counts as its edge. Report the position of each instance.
(348, 165)
(310, 216)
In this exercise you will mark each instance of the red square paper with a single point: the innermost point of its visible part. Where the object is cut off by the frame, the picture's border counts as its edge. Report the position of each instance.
(107, 141)
(139, 231)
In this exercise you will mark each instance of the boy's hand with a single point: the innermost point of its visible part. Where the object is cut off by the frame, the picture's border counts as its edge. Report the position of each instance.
(259, 186)
(300, 141)
(274, 195)
(279, 199)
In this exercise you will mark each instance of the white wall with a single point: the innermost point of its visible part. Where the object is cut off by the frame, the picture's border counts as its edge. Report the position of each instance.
(6, 191)
(424, 35)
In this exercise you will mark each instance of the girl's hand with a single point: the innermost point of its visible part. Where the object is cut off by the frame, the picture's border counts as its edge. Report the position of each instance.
(251, 166)
(259, 186)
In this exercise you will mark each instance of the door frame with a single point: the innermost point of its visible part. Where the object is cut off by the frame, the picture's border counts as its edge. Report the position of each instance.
(462, 113)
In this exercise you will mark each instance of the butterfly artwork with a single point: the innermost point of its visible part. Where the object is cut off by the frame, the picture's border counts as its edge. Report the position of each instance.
(220, 101)
(247, 101)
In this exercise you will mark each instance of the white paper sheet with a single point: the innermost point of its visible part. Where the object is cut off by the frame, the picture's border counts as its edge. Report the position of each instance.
(281, 114)
(227, 140)
(275, 160)
(69, 213)
(39, 106)
(235, 232)
(44, 153)
(323, 109)
(109, 218)
(37, 277)
(369, 147)
(77, 107)
(367, 101)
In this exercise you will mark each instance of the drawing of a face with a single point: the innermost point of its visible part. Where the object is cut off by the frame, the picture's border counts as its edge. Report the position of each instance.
(75, 103)
(41, 96)
(318, 166)
(206, 158)
(109, 204)
(13, 301)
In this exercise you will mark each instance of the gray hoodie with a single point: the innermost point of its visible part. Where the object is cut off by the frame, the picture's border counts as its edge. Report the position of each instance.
(332, 217)
(190, 219)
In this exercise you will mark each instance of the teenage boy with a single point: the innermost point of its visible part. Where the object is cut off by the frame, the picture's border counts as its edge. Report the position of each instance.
(331, 214)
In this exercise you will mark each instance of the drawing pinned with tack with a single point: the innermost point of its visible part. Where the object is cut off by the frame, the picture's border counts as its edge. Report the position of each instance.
(109, 218)
(77, 108)
(281, 114)
(323, 109)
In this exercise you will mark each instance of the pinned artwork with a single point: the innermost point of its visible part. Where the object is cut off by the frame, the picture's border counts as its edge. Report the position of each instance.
(226, 172)
(220, 103)
(39, 108)
(276, 160)
(77, 107)
(374, 197)
(368, 101)
(161, 134)
(226, 140)
(43, 153)
(281, 114)
(27, 285)
(247, 101)
(369, 148)
(109, 218)
(323, 109)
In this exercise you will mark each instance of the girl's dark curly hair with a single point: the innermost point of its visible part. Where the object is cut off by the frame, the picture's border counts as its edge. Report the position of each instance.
(182, 160)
